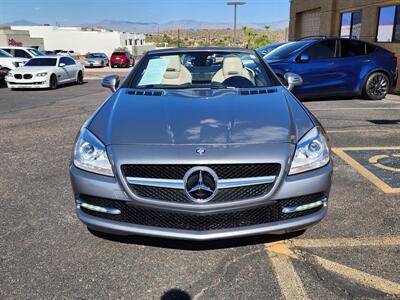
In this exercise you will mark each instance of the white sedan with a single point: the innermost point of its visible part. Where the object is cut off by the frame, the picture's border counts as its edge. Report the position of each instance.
(45, 72)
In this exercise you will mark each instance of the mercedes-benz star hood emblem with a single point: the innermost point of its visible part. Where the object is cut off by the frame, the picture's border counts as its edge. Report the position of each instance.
(201, 184)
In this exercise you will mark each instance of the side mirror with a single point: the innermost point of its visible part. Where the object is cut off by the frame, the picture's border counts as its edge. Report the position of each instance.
(111, 82)
(293, 80)
(62, 65)
(303, 58)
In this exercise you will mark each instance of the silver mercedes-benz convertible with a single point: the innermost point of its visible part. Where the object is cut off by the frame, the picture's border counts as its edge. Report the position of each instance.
(201, 143)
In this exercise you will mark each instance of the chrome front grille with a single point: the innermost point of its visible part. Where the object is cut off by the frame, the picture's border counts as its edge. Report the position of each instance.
(167, 182)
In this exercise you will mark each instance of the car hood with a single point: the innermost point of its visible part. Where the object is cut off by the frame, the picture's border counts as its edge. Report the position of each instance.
(201, 117)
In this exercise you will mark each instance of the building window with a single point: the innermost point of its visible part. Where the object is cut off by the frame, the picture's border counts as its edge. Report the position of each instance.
(389, 24)
(351, 24)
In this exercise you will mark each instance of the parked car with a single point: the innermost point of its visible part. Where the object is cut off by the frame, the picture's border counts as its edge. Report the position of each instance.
(96, 60)
(337, 67)
(70, 53)
(263, 51)
(122, 59)
(22, 52)
(45, 72)
(9, 62)
(201, 151)
(3, 73)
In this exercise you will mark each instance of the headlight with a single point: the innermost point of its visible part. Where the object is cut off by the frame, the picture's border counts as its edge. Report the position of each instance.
(41, 74)
(312, 152)
(90, 154)
(9, 75)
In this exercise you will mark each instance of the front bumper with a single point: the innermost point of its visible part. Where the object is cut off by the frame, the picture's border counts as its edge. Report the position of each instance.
(34, 83)
(94, 64)
(119, 63)
(121, 228)
(317, 181)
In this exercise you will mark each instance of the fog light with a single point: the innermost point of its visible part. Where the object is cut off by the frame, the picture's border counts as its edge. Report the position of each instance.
(288, 210)
(106, 210)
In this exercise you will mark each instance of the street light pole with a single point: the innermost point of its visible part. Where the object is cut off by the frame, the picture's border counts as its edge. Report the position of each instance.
(235, 4)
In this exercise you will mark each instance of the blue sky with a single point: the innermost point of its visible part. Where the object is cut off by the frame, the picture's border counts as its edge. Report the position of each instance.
(70, 12)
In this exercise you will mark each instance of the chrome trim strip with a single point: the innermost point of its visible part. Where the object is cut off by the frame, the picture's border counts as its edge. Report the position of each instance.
(157, 182)
(221, 184)
(303, 207)
(239, 182)
(106, 210)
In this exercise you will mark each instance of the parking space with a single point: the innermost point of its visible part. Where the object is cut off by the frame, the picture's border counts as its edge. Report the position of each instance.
(45, 252)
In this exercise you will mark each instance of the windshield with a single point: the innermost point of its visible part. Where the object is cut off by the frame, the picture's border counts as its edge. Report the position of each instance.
(35, 52)
(285, 51)
(200, 69)
(267, 49)
(5, 54)
(41, 62)
(94, 55)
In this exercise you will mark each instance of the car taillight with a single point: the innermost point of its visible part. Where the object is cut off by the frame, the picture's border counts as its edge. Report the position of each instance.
(395, 59)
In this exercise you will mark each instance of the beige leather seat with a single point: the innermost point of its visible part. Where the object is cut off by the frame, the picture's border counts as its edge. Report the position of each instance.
(231, 66)
(176, 73)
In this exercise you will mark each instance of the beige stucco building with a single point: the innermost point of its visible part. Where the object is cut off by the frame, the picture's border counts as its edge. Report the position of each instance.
(375, 21)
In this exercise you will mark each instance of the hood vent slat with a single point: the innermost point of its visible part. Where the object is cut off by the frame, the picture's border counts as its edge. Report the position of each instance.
(145, 93)
(257, 92)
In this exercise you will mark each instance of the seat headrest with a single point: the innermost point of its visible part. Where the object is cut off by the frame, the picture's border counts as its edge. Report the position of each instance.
(232, 65)
(174, 67)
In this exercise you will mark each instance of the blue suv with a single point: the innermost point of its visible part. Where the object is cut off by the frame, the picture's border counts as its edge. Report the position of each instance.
(336, 67)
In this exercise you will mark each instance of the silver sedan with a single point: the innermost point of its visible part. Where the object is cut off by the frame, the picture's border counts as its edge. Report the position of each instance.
(96, 60)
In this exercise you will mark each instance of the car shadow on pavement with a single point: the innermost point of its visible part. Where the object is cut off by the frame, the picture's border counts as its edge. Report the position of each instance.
(332, 98)
(47, 89)
(195, 245)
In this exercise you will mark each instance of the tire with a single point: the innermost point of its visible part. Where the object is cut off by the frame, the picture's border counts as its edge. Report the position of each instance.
(53, 82)
(377, 86)
(79, 78)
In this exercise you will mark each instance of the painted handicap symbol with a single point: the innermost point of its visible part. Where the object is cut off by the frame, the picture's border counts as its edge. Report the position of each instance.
(377, 161)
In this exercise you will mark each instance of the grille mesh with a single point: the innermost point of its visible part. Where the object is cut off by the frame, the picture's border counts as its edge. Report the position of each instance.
(225, 195)
(186, 221)
(179, 171)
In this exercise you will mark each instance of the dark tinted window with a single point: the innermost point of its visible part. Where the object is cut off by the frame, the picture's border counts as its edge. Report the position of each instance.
(21, 53)
(42, 62)
(285, 51)
(352, 48)
(321, 50)
(119, 53)
(69, 61)
(63, 60)
(7, 50)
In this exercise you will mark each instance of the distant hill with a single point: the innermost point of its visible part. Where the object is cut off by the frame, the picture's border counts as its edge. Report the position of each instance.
(20, 23)
(152, 27)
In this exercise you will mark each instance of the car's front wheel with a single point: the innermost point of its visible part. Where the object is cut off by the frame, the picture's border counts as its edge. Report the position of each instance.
(377, 86)
(53, 82)
(79, 78)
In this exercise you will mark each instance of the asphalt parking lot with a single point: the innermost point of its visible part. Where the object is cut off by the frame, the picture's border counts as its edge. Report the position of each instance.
(45, 252)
